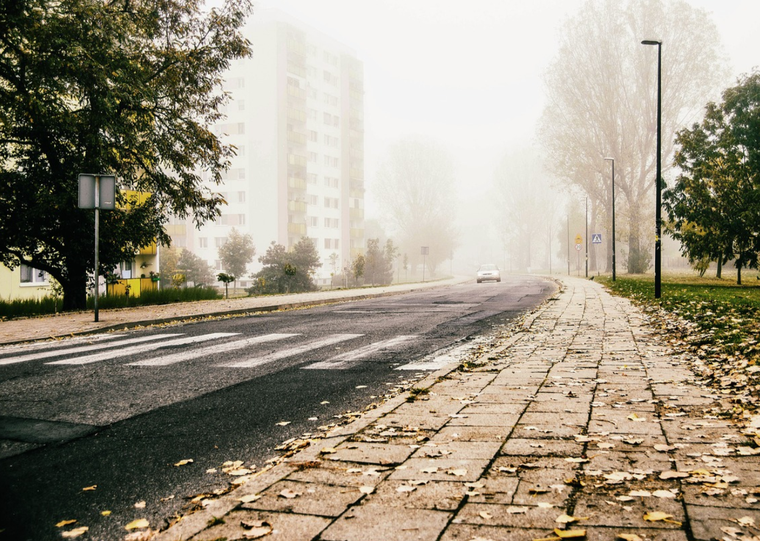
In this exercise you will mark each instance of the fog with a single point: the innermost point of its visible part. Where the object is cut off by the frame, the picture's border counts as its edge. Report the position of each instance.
(471, 77)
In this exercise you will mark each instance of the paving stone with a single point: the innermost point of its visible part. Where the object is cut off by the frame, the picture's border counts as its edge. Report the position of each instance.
(285, 526)
(348, 474)
(542, 447)
(496, 488)
(468, 532)
(474, 433)
(485, 419)
(600, 511)
(602, 533)
(707, 523)
(437, 470)
(372, 522)
(521, 516)
(493, 408)
(438, 495)
(458, 450)
(311, 499)
(371, 453)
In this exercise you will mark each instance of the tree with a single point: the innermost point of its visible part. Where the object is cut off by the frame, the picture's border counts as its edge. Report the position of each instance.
(237, 251)
(225, 279)
(602, 102)
(415, 191)
(288, 271)
(525, 206)
(357, 267)
(125, 87)
(390, 253)
(714, 206)
(195, 269)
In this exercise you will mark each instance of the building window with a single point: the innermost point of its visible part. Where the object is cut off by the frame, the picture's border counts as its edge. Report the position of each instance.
(312, 136)
(30, 275)
(203, 242)
(219, 242)
(312, 199)
(241, 197)
(313, 221)
(313, 157)
(125, 269)
(312, 178)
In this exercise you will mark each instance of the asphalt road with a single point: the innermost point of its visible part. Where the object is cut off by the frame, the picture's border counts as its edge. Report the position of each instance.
(115, 414)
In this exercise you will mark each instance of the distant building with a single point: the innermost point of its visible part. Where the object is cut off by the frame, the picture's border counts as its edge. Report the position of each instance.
(23, 282)
(297, 119)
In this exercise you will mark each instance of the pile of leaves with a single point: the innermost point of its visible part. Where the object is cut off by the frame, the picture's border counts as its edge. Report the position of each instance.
(716, 323)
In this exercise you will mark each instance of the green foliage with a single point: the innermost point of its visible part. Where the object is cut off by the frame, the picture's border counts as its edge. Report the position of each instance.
(714, 207)
(195, 269)
(357, 267)
(378, 264)
(49, 305)
(122, 87)
(287, 271)
(726, 315)
(237, 252)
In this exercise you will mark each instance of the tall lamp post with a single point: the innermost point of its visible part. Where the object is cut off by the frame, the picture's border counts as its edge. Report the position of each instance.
(613, 216)
(658, 180)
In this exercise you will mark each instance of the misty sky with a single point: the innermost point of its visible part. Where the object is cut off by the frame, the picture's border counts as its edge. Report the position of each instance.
(470, 74)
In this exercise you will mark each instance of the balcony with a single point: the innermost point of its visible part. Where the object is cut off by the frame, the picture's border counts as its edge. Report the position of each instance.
(357, 233)
(297, 229)
(295, 159)
(297, 115)
(297, 138)
(356, 213)
(297, 206)
(296, 183)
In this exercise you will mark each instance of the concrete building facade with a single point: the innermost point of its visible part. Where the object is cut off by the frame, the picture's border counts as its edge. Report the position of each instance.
(296, 117)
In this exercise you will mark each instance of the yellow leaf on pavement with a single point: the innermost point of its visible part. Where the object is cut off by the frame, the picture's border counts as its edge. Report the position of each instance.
(76, 532)
(569, 534)
(659, 516)
(87, 489)
(65, 523)
(629, 537)
(184, 462)
(566, 519)
(105, 513)
(135, 524)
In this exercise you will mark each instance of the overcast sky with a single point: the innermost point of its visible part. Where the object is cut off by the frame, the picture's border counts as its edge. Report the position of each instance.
(470, 74)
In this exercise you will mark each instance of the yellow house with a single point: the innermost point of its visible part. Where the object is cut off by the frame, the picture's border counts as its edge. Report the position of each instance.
(23, 282)
(141, 273)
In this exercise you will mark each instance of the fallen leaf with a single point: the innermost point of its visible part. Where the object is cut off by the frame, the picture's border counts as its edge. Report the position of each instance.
(429, 470)
(665, 494)
(569, 534)
(577, 460)
(248, 498)
(567, 519)
(289, 494)
(629, 537)
(545, 505)
(239, 471)
(255, 528)
(617, 477)
(184, 462)
(746, 521)
(283, 423)
(634, 417)
(105, 513)
(457, 473)
(135, 524)
(517, 510)
(76, 532)
(65, 523)
(142, 535)
(673, 475)
(140, 505)
(486, 516)
(88, 489)
(658, 516)
(406, 488)
(663, 448)
(361, 387)
(329, 451)
(640, 493)
(366, 490)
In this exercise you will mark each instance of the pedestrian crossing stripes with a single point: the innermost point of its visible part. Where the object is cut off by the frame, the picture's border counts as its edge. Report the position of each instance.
(117, 347)
(210, 350)
(80, 349)
(87, 359)
(292, 352)
(345, 360)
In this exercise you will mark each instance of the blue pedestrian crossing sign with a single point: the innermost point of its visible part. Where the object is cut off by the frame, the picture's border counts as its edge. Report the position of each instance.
(596, 238)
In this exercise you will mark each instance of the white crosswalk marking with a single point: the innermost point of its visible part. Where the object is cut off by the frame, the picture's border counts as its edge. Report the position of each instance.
(210, 350)
(82, 349)
(344, 360)
(87, 359)
(290, 352)
(438, 360)
(63, 342)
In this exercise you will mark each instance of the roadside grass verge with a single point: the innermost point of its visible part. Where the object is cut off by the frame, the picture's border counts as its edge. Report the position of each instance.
(48, 305)
(724, 317)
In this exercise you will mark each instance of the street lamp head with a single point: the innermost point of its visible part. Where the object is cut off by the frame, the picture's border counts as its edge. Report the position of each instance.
(611, 159)
(651, 42)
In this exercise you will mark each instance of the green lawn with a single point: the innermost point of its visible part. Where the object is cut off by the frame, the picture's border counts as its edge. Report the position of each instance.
(726, 315)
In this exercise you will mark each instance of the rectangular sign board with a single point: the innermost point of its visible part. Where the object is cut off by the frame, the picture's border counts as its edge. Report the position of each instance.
(107, 192)
(596, 238)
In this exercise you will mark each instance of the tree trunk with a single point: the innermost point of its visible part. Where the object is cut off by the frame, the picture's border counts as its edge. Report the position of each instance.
(74, 290)
(739, 272)
(720, 266)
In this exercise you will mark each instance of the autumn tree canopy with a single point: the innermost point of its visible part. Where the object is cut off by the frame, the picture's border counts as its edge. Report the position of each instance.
(127, 87)
(602, 100)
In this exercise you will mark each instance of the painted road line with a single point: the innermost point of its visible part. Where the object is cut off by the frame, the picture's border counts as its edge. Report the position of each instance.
(211, 350)
(82, 349)
(346, 360)
(291, 352)
(87, 359)
(58, 343)
(439, 359)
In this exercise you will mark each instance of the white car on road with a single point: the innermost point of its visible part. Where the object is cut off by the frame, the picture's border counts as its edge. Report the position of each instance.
(489, 272)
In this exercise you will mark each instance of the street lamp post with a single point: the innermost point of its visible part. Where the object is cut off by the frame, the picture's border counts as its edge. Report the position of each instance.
(613, 217)
(658, 180)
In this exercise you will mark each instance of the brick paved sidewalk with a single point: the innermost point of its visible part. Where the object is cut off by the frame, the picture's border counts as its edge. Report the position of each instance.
(579, 420)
